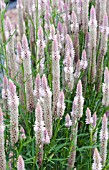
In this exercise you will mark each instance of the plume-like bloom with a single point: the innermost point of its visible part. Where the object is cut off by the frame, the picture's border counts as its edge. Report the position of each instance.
(27, 74)
(60, 105)
(32, 11)
(105, 88)
(104, 36)
(78, 70)
(2, 149)
(12, 67)
(79, 100)
(75, 30)
(94, 119)
(85, 8)
(102, 10)
(97, 161)
(103, 50)
(20, 71)
(40, 51)
(56, 75)
(68, 121)
(68, 70)
(20, 18)
(22, 131)
(2, 5)
(92, 42)
(45, 138)
(83, 62)
(37, 88)
(89, 119)
(104, 140)
(13, 107)
(39, 128)
(47, 96)
(20, 163)
(5, 93)
(39, 124)
(69, 48)
(52, 32)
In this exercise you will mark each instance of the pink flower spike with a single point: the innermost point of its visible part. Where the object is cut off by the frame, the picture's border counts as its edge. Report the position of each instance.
(94, 119)
(60, 105)
(88, 117)
(5, 83)
(12, 87)
(19, 4)
(44, 82)
(92, 14)
(40, 33)
(24, 42)
(79, 88)
(19, 48)
(8, 25)
(60, 27)
(84, 62)
(97, 161)
(45, 139)
(20, 164)
(68, 121)
(2, 150)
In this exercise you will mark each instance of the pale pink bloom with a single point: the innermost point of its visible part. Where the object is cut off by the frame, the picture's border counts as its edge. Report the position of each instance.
(56, 75)
(39, 124)
(105, 88)
(27, 74)
(104, 35)
(37, 89)
(19, 53)
(60, 105)
(19, 4)
(5, 90)
(85, 9)
(102, 10)
(52, 32)
(12, 65)
(2, 149)
(70, 48)
(94, 120)
(47, 104)
(89, 119)
(13, 107)
(78, 70)
(92, 42)
(44, 82)
(104, 140)
(40, 50)
(97, 161)
(45, 138)
(83, 62)
(2, 5)
(5, 93)
(68, 69)
(20, 163)
(20, 18)
(60, 6)
(8, 28)
(59, 27)
(79, 100)
(68, 121)
(22, 131)
(74, 25)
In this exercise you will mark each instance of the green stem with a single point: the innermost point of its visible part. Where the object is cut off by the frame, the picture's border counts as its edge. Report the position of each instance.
(91, 139)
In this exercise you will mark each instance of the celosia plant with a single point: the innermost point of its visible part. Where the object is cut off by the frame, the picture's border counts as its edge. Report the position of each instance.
(54, 79)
